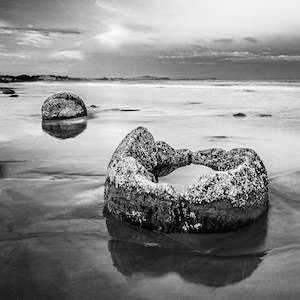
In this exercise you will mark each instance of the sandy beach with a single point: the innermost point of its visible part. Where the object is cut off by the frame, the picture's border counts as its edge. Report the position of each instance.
(56, 242)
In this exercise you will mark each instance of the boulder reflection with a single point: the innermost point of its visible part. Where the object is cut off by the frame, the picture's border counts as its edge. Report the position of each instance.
(2, 171)
(64, 129)
(214, 260)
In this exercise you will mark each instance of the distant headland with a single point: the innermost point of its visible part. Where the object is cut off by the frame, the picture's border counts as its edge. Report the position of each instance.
(34, 78)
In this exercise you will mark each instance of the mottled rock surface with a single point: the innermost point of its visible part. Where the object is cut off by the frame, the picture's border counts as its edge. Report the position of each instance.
(169, 159)
(63, 105)
(233, 196)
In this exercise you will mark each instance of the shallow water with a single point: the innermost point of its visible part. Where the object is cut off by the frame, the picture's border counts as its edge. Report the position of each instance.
(57, 243)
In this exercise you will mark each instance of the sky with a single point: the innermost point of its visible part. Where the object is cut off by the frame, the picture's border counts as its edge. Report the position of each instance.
(226, 39)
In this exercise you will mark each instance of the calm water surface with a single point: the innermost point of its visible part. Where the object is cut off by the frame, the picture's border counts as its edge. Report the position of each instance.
(57, 243)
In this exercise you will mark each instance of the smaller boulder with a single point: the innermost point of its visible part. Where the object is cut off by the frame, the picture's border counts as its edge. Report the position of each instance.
(63, 105)
(14, 96)
(7, 91)
(240, 115)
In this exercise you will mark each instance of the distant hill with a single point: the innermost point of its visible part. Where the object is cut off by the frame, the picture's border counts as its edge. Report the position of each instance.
(32, 78)
(146, 77)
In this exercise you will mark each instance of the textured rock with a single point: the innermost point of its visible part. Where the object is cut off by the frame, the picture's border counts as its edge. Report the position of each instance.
(138, 144)
(169, 159)
(233, 196)
(63, 105)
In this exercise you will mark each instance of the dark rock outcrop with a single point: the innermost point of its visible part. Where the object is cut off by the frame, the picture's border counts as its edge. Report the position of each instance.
(129, 109)
(240, 115)
(264, 115)
(233, 196)
(63, 105)
(7, 91)
(14, 96)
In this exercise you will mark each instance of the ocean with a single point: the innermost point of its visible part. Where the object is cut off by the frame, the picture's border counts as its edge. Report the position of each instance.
(55, 240)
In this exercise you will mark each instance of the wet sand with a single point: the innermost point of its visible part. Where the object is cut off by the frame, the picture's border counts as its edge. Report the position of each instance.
(58, 242)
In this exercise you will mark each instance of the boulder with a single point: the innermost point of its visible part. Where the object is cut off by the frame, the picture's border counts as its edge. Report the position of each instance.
(7, 91)
(233, 196)
(14, 96)
(63, 105)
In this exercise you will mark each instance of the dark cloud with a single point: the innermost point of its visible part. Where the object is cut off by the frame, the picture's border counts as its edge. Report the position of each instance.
(251, 39)
(223, 41)
(41, 30)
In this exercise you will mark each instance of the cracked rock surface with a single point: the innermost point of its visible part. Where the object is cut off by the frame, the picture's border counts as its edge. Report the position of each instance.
(233, 196)
(63, 105)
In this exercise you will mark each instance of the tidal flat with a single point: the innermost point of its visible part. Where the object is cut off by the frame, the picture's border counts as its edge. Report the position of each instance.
(57, 241)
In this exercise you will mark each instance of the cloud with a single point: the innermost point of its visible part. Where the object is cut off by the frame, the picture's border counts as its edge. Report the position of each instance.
(36, 37)
(22, 55)
(122, 26)
(202, 57)
(251, 40)
(107, 6)
(33, 38)
(176, 23)
(129, 34)
(208, 54)
(223, 41)
(184, 62)
(11, 29)
(252, 57)
(3, 23)
(118, 8)
(67, 55)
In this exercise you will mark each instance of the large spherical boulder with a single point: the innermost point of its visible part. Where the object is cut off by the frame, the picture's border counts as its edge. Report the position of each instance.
(233, 196)
(63, 105)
